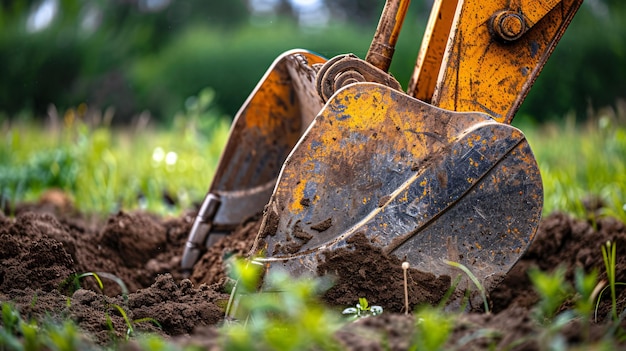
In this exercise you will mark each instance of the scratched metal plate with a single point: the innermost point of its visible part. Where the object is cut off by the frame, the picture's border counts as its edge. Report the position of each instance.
(264, 131)
(423, 183)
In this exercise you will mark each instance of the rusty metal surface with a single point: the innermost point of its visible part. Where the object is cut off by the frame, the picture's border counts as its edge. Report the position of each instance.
(428, 63)
(383, 45)
(489, 69)
(343, 70)
(263, 133)
(421, 182)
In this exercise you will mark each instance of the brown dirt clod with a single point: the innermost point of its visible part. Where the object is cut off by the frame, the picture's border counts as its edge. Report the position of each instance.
(43, 247)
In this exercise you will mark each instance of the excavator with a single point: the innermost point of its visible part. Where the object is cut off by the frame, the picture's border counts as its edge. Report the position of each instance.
(331, 149)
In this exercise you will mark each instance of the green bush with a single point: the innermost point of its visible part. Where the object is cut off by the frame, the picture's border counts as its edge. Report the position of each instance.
(152, 61)
(230, 62)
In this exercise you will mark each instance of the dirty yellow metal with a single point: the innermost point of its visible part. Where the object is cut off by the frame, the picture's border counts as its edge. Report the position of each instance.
(272, 119)
(481, 71)
(264, 132)
(386, 36)
(434, 173)
(410, 177)
(424, 78)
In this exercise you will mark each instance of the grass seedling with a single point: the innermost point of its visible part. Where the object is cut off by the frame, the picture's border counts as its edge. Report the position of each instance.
(286, 315)
(553, 291)
(433, 329)
(362, 309)
(129, 324)
(609, 256)
(64, 337)
(78, 277)
(10, 328)
(17, 334)
(130, 330)
(474, 280)
(10, 317)
(586, 289)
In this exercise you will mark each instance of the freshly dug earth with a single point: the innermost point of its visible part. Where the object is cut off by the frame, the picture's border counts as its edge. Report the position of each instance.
(43, 247)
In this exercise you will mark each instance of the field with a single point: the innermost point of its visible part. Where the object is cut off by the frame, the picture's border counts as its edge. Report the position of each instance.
(95, 219)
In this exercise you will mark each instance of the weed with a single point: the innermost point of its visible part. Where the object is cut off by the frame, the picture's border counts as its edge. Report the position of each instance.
(362, 309)
(553, 290)
(286, 315)
(609, 257)
(474, 280)
(433, 329)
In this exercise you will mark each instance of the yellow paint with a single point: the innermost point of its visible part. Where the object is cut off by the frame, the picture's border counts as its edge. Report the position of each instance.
(429, 58)
(405, 197)
(262, 111)
(363, 113)
(298, 194)
(475, 72)
(472, 139)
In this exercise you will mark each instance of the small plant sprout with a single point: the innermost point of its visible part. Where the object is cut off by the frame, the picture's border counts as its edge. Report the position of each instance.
(587, 289)
(433, 329)
(246, 275)
(405, 268)
(10, 317)
(362, 309)
(553, 290)
(474, 280)
(285, 315)
(130, 329)
(609, 257)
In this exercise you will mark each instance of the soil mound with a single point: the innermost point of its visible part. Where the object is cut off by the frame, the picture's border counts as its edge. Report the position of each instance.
(42, 249)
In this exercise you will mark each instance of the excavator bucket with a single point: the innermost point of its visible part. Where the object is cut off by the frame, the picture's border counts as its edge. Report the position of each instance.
(422, 183)
(264, 131)
(432, 176)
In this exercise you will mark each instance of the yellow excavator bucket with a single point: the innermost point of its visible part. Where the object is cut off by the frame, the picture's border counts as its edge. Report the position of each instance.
(335, 151)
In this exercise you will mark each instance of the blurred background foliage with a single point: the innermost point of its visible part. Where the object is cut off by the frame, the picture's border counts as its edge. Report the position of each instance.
(146, 57)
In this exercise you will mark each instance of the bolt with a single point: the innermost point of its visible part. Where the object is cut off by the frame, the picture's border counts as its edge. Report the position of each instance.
(508, 25)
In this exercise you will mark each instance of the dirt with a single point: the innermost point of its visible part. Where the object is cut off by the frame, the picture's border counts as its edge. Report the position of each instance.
(363, 270)
(44, 246)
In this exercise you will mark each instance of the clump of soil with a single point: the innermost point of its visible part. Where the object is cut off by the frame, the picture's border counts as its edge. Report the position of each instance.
(43, 247)
(41, 254)
(211, 268)
(363, 269)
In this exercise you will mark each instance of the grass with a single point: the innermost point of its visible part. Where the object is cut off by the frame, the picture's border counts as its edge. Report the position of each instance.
(104, 169)
(610, 262)
(582, 164)
(289, 315)
(19, 334)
